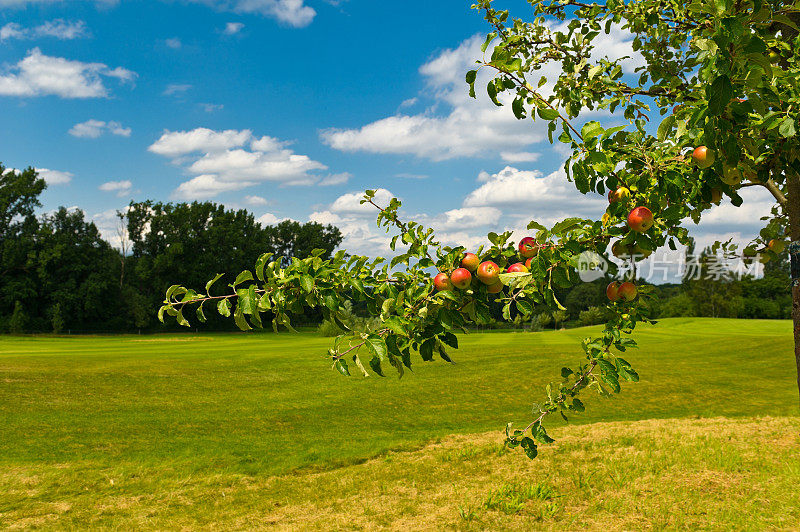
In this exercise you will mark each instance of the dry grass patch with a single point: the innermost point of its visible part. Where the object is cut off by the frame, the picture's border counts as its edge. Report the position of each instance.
(646, 475)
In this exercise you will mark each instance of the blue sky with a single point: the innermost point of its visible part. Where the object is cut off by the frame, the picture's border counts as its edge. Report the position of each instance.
(286, 107)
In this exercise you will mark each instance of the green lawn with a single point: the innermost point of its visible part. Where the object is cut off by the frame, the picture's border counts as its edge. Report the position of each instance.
(183, 406)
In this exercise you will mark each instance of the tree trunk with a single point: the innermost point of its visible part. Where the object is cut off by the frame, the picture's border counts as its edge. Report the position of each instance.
(793, 210)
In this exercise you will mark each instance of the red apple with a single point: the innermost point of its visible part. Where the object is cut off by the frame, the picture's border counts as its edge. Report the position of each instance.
(612, 291)
(703, 157)
(470, 261)
(518, 267)
(528, 247)
(620, 194)
(640, 219)
(495, 288)
(461, 278)
(528, 263)
(488, 272)
(676, 109)
(442, 282)
(627, 291)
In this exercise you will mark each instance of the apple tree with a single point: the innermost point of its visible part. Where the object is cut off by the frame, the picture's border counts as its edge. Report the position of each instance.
(714, 108)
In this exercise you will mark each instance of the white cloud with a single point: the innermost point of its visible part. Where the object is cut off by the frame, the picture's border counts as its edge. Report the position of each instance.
(59, 29)
(335, 179)
(406, 175)
(268, 219)
(177, 143)
(12, 30)
(255, 200)
(122, 188)
(230, 160)
(55, 177)
(519, 157)
(176, 88)
(472, 128)
(211, 107)
(293, 13)
(232, 28)
(173, 43)
(207, 186)
(545, 198)
(41, 75)
(469, 127)
(93, 129)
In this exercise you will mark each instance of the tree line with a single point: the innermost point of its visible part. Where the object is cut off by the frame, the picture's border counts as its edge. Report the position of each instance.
(58, 273)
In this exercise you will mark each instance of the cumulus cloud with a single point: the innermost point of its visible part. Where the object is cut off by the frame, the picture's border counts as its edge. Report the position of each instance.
(173, 43)
(293, 13)
(469, 127)
(176, 88)
(55, 177)
(41, 75)
(59, 29)
(268, 219)
(229, 160)
(93, 129)
(122, 188)
(255, 200)
(232, 28)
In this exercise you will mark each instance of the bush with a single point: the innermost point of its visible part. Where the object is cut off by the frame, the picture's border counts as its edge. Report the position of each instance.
(592, 316)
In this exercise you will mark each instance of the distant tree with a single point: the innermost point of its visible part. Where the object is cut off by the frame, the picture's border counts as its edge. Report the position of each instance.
(290, 239)
(19, 319)
(79, 270)
(19, 197)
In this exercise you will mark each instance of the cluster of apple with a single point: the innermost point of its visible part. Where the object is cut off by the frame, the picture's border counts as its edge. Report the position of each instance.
(487, 272)
(704, 158)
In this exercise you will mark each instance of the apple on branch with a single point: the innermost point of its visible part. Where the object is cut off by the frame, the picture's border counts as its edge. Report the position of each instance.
(640, 219)
(703, 157)
(470, 261)
(528, 247)
(518, 267)
(442, 282)
(461, 278)
(488, 273)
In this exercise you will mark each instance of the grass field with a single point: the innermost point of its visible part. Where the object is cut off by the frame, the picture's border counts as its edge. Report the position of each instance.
(246, 431)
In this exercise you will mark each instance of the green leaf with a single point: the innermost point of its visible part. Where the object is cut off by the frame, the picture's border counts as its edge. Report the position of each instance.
(665, 127)
(181, 320)
(471, 76)
(426, 349)
(306, 283)
(525, 307)
(547, 114)
(375, 364)
(396, 325)
(518, 107)
(529, 446)
(538, 432)
(224, 307)
(243, 277)
(450, 339)
(787, 128)
(376, 345)
(238, 317)
(590, 130)
(201, 317)
(341, 365)
(719, 95)
(212, 281)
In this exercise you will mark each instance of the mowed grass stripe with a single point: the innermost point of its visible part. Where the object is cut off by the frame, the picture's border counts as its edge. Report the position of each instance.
(267, 404)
